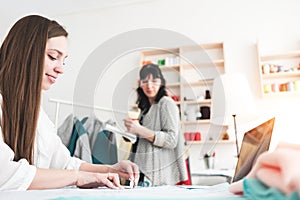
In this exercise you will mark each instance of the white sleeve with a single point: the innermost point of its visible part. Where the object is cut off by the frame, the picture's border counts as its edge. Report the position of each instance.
(61, 157)
(14, 175)
(53, 153)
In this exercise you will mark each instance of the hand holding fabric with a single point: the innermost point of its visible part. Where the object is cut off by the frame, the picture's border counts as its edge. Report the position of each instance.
(127, 169)
(94, 180)
(278, 169)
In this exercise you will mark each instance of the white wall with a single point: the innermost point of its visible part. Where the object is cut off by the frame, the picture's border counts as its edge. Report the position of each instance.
(237, 23)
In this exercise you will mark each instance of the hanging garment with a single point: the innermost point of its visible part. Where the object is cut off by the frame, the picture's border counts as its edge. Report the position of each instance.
(103, 143)
(75, 138)
(87, 140)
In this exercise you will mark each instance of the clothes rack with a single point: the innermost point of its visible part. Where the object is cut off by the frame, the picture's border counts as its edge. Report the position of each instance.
(59, 102)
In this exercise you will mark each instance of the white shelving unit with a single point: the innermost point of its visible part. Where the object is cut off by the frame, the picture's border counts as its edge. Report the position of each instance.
(189, 72)
(279, 73)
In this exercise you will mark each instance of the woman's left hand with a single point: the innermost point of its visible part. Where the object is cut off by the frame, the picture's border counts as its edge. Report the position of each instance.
(126, 169)
(278, 169)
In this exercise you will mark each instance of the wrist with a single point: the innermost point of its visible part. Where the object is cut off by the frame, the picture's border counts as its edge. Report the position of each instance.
(109, 168)
(76, 175)
(142, 131)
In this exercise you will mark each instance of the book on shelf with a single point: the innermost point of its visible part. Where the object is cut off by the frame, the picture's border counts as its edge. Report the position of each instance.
(130, 136)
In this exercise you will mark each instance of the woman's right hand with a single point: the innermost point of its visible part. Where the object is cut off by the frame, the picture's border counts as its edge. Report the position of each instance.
(132, 125)
(94, 180)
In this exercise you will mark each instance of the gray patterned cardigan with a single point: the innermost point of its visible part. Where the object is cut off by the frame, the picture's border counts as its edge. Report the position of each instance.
(163, 160)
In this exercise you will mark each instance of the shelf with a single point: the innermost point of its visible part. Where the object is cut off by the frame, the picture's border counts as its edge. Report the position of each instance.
(170, 68)
(281, 75)
(282, 94)
(288, 55)
(201, 121)
(172, 85)
(208, 46)
(218, 63)
(211, 142)
(160, 52)
(200, 83)
(206, 101)
(285, 79)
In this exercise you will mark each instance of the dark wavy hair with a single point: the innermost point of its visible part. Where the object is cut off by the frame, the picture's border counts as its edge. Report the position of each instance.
(142, 99)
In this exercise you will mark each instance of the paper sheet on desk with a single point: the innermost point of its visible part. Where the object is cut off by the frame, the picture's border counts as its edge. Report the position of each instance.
(219, 191)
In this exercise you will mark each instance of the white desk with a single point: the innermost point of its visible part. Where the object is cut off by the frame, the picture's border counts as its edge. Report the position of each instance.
(212, 176)
(160, 192)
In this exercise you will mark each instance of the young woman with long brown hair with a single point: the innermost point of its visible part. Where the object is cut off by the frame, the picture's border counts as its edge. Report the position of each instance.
(32, 155)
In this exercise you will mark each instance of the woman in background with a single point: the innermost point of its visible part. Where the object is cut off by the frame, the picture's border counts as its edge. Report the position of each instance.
(32, 155)
(159, 152)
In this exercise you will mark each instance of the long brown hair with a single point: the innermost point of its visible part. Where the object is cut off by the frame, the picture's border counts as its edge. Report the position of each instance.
(21, 72)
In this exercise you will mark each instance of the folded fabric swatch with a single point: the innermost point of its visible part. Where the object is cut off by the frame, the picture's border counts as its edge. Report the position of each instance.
(255, 189)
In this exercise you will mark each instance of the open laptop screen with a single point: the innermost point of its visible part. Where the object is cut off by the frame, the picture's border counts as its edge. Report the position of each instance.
(255, 142)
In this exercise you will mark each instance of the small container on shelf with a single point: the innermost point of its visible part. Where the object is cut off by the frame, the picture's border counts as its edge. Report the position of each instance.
(161, 62)
(207, 94)
(297, 85)
(198, 136)
(192, 136)
(187, 136)
(205, 112)
(145, 62)
(198, 115)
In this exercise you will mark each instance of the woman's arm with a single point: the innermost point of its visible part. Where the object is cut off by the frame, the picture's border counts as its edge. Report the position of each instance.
(125, 169)
(167, 136)
(50, 179)
(133, 126)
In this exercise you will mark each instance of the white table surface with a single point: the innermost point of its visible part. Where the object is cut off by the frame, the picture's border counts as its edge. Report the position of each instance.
(160, 192)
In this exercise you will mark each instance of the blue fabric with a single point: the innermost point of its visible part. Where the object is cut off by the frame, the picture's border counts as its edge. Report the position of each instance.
(255, 189)
(78, 130)
(104, 149)
(138, 198)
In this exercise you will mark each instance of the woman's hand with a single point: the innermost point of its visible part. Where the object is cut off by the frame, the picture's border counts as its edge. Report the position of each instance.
(278, 169)
(132, 125)
(127, 169)
(94, 180)
(123, 169)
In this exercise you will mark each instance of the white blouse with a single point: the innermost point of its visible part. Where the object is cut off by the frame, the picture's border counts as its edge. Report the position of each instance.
(49, 152)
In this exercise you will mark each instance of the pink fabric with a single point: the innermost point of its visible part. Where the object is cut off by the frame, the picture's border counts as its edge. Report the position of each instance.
(279, 169)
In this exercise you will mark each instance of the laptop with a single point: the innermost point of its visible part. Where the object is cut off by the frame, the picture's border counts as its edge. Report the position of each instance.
(255, 142)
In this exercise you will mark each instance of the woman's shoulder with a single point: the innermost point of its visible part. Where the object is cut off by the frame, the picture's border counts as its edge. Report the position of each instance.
(166, 100)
